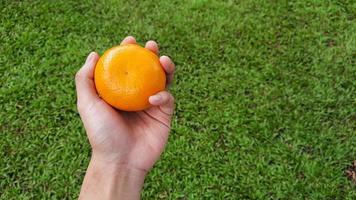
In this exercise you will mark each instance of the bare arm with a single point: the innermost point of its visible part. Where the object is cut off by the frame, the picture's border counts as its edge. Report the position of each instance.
(125, 145)
(111, 181)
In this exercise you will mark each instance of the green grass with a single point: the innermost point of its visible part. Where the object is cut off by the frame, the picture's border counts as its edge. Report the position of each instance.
(265, 95)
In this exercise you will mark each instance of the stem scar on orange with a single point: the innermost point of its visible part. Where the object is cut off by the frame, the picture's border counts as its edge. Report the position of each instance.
(127, 75)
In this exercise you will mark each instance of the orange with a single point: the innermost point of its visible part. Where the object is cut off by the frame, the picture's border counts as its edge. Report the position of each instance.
(127, 75)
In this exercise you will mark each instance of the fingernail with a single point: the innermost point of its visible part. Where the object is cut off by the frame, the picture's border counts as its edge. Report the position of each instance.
(162, 58)
(156, 98)
(90, 57)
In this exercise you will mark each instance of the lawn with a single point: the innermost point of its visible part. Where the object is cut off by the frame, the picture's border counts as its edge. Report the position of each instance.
(265, 95)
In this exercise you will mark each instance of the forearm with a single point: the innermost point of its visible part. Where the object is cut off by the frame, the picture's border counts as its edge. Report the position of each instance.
(111, 181)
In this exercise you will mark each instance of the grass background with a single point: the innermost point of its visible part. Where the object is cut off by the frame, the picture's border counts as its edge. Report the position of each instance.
(265, 95)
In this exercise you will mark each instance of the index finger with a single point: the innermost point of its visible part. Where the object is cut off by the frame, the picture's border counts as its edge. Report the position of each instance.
(128, 40)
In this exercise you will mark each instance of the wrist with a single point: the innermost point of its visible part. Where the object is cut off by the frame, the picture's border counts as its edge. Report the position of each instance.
(111, 180)
(115, 168)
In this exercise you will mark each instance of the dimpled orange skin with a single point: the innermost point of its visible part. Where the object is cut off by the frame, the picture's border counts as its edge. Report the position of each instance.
(127, 75)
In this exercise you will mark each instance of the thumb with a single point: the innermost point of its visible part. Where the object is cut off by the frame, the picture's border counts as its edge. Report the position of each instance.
(164, 100)
(84, 81)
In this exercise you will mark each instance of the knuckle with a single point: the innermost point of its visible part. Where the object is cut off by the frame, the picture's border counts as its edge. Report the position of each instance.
(171, 97)
(172, 63)
(173, 66)
(78, 76)
(80, 107)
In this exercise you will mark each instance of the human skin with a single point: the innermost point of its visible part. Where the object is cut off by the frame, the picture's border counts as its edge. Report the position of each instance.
(125, 145)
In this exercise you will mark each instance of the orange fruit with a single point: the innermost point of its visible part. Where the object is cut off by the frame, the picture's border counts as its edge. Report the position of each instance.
(127, 75)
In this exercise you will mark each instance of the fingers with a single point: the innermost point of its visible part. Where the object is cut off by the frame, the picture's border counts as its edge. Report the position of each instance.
(166, 62)
(84, 81)
(164, 100)
(152, 46)
(168, 67)
(128, 40)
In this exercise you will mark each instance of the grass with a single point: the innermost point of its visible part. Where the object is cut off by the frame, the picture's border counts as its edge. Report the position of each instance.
(265, 95)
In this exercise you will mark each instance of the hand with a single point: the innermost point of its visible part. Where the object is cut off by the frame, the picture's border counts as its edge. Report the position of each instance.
(127, 140)
(135, 139)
